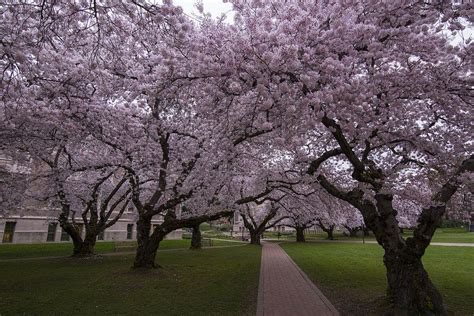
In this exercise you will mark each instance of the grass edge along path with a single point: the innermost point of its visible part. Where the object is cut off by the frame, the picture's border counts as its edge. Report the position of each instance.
(353, 277)
(442, 235)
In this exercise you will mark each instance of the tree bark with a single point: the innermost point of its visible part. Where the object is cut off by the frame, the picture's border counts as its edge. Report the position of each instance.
(196, 239)
(81, 248)
(255, 238)
(330, 232)
(300, 234)
(409, 286)
(147, 245)
(145, 257)
(85, 248)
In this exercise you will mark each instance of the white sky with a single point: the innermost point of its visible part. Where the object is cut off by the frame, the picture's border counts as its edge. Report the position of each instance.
(214, 7)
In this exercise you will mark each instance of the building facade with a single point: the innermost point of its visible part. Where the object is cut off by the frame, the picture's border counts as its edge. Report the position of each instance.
(23, 229)
(36, 222)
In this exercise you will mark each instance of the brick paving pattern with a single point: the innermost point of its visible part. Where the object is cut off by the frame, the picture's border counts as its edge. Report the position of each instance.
(286, 290)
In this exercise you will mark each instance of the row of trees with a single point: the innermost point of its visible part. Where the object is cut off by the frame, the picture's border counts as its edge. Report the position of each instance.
(296, 105)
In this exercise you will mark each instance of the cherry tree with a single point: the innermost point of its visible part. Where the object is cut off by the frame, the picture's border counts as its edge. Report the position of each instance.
(380, 86)
(301, 215)
(369, 99)
(73, 169)
(259, 218)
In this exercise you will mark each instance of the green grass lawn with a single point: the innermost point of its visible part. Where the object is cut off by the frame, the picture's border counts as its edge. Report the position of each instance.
(10, 251)
(352, 276)
(208, 231)
(209, 282)
(454, 235)
(459, 235)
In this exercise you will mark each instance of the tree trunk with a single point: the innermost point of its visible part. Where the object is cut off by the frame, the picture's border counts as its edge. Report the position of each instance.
(146, 255)
(409, 286)
(300, 234)
(330, 232)
(147, 245)
(86, 247)
(255, 238)
(79, 250)
(196, 239)
(352, 231)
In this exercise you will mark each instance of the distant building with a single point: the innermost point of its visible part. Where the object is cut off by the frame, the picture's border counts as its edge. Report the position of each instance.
(36, 222)
(39, 227)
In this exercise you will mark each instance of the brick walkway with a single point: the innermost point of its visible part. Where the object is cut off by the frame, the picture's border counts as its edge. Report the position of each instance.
(286, 290)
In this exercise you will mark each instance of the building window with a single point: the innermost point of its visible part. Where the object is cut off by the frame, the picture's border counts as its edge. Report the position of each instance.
(129, 231)
(9, 231)
(101, 235)
(51, 231)
(64, 235)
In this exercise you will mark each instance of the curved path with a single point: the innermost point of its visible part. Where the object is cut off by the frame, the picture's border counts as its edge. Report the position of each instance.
(286, 290)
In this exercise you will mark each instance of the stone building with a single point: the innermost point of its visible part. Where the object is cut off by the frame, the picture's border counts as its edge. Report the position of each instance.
(40, 227)
(36, 222)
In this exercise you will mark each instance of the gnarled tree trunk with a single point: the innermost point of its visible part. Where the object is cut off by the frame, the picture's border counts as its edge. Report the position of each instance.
(81, 248)
(147, 245)
(300, 234)
(330, 232)
(86, 247)
(327, 229)
(409, 286)
(145, 256)
(255, 237)
(196, 239)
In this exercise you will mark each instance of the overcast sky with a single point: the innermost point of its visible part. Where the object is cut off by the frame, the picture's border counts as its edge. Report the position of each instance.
(214, 7)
